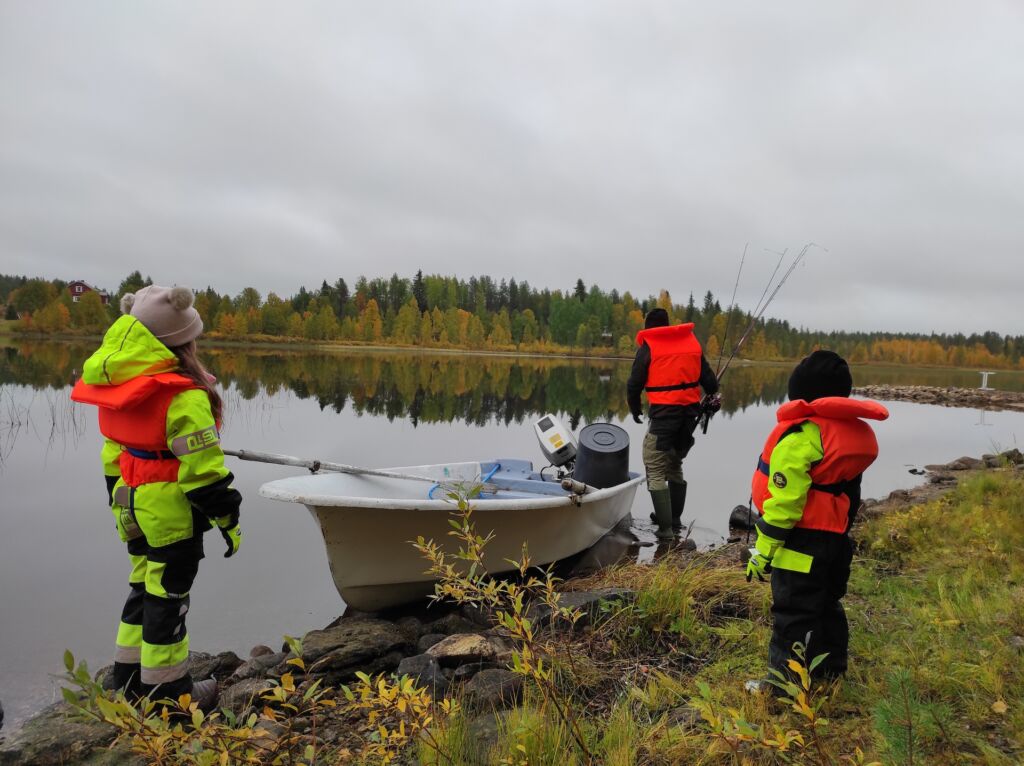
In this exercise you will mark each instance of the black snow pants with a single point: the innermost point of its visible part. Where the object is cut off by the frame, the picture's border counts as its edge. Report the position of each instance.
(807, 608)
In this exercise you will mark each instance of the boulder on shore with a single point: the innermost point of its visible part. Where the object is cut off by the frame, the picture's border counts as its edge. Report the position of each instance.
(352, 645)
(55, 737)
(742, 517)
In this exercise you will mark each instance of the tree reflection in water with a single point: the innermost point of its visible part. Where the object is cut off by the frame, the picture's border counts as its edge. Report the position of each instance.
(438, 388)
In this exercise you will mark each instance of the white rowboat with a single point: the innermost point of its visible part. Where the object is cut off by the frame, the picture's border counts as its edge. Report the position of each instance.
(369, 522)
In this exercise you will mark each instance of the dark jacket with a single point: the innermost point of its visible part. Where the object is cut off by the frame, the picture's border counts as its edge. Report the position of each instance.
(672, 424)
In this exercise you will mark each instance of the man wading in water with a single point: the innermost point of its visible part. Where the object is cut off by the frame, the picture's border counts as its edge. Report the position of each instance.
(670, 366)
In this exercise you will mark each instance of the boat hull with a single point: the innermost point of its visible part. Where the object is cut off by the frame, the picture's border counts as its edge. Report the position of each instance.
(369, 540)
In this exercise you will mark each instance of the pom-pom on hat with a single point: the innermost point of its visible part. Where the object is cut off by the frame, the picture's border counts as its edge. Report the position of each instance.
(823, 373)
(167, 312)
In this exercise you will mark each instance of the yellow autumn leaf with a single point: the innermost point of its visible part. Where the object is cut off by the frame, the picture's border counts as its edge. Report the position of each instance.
(1000, 706)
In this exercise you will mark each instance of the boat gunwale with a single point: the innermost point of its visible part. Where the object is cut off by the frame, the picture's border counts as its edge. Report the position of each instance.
(324, 501)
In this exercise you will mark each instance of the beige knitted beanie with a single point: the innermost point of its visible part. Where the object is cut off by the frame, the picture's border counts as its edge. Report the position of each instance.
(167, 312)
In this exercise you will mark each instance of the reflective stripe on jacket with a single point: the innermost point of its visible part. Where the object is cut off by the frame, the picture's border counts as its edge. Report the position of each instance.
(674, 373)
(806, 489)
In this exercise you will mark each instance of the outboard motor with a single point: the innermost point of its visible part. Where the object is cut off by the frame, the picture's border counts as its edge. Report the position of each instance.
(602, 456)
(599, 458)
(556, 441)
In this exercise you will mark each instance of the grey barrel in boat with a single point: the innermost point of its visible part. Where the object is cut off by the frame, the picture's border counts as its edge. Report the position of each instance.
(602, 456)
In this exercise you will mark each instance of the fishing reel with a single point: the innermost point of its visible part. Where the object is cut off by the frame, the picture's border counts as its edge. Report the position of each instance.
(708, 407)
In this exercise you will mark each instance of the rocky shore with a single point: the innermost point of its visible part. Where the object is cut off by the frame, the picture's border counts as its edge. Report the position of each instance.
(443, 649)
(440, 648)
(974, 398)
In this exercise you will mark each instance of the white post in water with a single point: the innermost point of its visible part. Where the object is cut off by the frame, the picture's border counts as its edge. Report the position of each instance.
(984, 379)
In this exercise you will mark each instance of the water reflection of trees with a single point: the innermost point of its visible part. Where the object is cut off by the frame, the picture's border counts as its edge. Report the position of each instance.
(434, 388)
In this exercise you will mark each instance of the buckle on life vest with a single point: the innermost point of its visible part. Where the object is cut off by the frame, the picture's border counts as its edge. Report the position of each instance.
(763, 467)
(149, 455)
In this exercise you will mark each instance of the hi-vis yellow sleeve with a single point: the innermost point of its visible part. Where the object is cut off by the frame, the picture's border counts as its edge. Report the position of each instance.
(789, 478)
(192, 437)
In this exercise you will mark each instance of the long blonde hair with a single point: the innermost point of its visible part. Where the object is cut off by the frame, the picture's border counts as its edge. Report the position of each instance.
(193, 369)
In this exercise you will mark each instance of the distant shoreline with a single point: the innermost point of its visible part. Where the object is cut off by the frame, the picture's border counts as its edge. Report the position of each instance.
(340, 346)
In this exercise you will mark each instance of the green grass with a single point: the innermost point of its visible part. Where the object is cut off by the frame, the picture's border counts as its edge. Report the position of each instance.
(936, 676)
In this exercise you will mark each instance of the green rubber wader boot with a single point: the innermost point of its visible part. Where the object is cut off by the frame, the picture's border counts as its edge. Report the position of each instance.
(677, 492)
(662, 499)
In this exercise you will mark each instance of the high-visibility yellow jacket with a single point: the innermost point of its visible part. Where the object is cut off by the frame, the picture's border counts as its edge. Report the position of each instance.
(809, 467)
(162, 453)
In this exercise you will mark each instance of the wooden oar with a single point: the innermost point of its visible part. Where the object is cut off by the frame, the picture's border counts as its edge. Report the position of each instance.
(326, 465)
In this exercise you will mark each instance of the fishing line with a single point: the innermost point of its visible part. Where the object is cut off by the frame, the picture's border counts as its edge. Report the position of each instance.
(732, 311)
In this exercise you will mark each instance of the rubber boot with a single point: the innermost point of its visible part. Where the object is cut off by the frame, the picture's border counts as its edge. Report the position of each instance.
(125, 677)
(677, 491)
(662, 499)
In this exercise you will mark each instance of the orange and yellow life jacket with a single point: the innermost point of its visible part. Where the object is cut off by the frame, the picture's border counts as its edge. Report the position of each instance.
(134, 415)
(849, 447)
(674, 373)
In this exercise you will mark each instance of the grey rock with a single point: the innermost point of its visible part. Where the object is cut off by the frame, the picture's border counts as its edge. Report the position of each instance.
(991, 461)
(592, 603)
(942, 478)
(385, 663)
(239, 697)
(426, 671)
(494, 688)
(686, 544)
(411, 626)
(450, 624)
(260, 666)
(1013, 456)
(899, 494)
(259, 650)
(1017, 642)
(477, 615)
(54, 738)
(463, 673)
(352, 643)
(464, 648)
(202, 665)
(742, 517)
(428, 641)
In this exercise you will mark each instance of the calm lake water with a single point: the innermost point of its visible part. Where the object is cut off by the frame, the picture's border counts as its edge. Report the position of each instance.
(63, 571)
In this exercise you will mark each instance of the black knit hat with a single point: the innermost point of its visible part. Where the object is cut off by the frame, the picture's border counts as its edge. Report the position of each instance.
(656, 318)
(823, 373)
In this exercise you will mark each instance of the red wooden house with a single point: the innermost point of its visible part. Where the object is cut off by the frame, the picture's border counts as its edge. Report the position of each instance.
(78, 288)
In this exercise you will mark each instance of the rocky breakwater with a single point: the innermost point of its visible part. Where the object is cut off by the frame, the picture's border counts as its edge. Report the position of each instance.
(457, 651)
(974, 398)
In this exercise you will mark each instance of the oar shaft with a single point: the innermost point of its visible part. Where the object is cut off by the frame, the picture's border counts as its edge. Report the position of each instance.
(326, 465)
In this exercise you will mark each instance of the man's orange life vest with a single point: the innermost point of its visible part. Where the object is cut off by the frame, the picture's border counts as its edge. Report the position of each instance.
(849, 445)
(674, 373)
(134, 414)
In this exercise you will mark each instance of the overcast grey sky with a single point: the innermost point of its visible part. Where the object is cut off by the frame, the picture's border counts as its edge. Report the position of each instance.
(636, 144)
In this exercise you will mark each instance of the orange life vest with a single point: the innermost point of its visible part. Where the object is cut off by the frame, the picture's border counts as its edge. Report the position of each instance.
(674, 373)
(134, 414)
(849, 445)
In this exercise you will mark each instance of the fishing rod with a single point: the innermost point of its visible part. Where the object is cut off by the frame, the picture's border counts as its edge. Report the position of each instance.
(709, 405)
(732, 309)
(764, 303)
